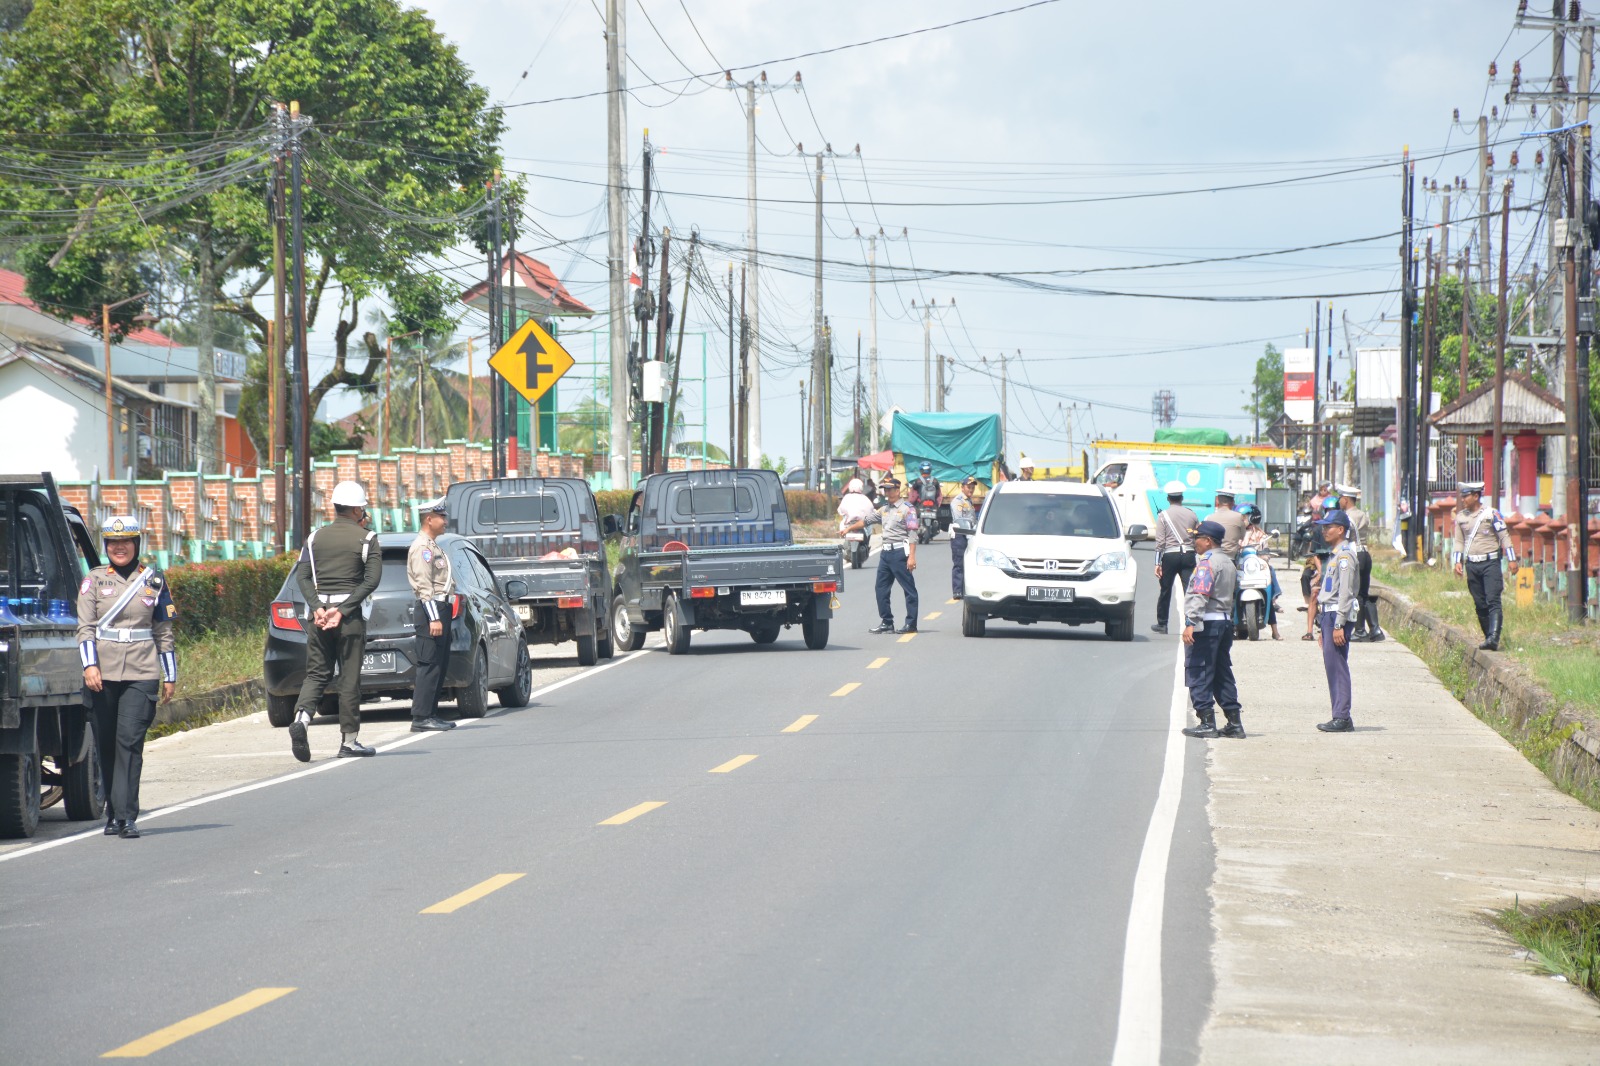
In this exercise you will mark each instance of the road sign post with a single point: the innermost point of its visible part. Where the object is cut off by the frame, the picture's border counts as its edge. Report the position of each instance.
(531, 362)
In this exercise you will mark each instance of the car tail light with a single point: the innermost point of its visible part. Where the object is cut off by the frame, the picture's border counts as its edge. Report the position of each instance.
(284, 614)
(570, 601)
(824, 586)
(457, 602)
(702, 592)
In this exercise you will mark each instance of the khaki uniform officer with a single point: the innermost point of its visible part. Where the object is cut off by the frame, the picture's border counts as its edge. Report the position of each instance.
(1232, 522)
(1367, 627)
(1482, 540)
(1338, 607)
(338, 571)
(897, 555)
(428, 570)
(125, 641)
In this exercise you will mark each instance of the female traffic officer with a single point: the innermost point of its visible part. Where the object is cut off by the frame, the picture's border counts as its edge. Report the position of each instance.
(125, 640)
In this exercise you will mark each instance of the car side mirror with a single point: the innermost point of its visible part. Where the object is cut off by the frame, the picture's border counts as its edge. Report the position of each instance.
(633, 522)
(516, 588)
(610, 525)
(1138, 532)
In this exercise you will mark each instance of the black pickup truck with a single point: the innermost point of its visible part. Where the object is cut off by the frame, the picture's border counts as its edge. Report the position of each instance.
(542, 539)
(711, 549)
(47, 744)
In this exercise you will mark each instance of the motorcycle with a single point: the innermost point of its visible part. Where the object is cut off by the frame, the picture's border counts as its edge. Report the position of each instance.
(927, 520)
(1253, 605)
(856, 546)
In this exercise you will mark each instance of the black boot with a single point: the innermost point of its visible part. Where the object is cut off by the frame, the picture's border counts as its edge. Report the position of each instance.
(1206, 729)
(1491, 635)
(1375, 631)
(113, 825)
(1234, 730)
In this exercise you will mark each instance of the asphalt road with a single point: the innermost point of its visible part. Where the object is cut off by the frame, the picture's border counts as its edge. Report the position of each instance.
(935, 868)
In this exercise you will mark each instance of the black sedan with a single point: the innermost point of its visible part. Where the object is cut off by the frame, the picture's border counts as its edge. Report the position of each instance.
(487, 652)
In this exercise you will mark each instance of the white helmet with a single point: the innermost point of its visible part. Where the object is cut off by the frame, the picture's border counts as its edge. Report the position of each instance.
(1175, 488)
(855, 486)
(349, 494)
(1024, 463)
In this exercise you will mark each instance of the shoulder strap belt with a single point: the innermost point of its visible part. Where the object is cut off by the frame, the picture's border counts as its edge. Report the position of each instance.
(134, 588)
(1167, 517)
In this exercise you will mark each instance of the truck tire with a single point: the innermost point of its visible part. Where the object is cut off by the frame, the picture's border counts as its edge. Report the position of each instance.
(816, 633)
(85, 795)
(473, 700)
(604, 644)
(280, 710)
(1120, 629)
(516, 694)
(19, 794)
(675, 628)
(628, 636)
(766, 634)
(588, 649)
(973, 624)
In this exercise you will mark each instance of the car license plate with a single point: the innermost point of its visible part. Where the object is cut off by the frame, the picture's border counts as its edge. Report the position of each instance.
(1047, 593)
(377, 662)
(763, 597)
(524, 612)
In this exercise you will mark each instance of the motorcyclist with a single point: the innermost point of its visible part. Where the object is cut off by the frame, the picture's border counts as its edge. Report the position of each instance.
(1256, 538)
(854, 504)
(926, 488)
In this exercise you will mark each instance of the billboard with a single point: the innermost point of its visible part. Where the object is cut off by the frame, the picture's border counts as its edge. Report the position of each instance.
(1377, 377)
(1299, 384)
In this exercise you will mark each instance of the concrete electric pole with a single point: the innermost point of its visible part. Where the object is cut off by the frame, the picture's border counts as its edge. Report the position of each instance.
(617, 242)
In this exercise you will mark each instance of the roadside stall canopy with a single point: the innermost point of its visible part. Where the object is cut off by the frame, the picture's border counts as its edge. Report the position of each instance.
(957, 444)
(877, 461)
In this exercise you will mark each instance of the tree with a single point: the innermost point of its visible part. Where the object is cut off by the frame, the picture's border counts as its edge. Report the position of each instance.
(1266, 399)
(166, 106)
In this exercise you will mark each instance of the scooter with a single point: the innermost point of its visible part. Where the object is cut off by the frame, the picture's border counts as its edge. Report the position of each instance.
(927, 521)
(1253, 606)
(857, 544)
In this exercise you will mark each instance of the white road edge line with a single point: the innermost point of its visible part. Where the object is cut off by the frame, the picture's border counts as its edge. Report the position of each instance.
(330, 764)
(1139, 1017)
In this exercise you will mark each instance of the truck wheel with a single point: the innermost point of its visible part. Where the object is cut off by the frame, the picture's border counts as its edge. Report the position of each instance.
(19, 794)
(85, 796)
(516, 694)
(1252, 621)
(766, 634)
(629, 637)
(677, 630)
(973, 624)
(604, 644)
(473, 701)
(280, 710)
(1120, 629)
(816, 633)
(588, 650)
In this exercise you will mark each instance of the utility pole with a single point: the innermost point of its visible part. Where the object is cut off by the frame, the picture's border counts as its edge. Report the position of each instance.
(1500, 351)
(805, 438)
(872, 312)
(1316, 395)
(496, 330)
(819, 358)
(617, 241)
(927, 353)
(644, 309)
(677, 356)
(658, 426)
(855, 402)
(1429, 316)
(1578, 472)
(508, 398)
(279, 408)
(1406, 430)
(743, 439)
(939, 398)
(1483, 197)
(302, 399)
(733, 373)
(1444, 238)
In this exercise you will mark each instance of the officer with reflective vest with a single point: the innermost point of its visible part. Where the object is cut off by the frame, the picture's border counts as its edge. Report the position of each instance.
(1482, 540)
(1208, 637)
(126, 644)
(428, 571)
(1174, 550)
(338, 571)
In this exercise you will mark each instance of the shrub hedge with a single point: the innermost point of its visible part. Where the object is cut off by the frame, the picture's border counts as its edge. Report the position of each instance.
(226, 597)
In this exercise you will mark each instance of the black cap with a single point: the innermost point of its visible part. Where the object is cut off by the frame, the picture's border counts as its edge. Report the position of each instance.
(969, 480)
(890, 482)
(1335, 518)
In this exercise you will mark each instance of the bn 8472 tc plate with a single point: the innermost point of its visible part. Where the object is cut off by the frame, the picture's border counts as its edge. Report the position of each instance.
(763, 598)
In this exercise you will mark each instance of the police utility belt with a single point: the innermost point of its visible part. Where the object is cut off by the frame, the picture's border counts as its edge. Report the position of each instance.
(1485, 557)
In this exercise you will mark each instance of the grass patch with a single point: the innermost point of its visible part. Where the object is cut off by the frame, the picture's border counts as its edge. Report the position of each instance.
(216, 659)
(1564, 659)
(1563, 938)
(232, 709)
(1539, 739)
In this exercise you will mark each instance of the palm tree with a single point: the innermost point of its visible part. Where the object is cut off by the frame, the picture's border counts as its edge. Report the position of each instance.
(427, 400)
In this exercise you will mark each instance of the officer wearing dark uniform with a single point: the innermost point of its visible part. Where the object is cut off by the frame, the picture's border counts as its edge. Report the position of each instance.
(428, 570)
(1338, 606)
(963, 514)
(897, 556)
(1174, 550)
(339, 569)
(1208, 637)
(126, 644)
(1482, 540)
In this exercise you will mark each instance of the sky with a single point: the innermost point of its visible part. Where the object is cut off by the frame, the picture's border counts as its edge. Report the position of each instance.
(1096, 140)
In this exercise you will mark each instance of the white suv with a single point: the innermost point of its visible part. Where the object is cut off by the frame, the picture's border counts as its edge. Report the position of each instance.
(1050, 551)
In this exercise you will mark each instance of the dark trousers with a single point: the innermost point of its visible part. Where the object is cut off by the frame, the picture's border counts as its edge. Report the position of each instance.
(958, 565)
(433, 659)
(1174, 566)
(123, 711)
(344, 646)
(892, 568)
(1336, 663)
(1485, 582)
(1208, 668)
